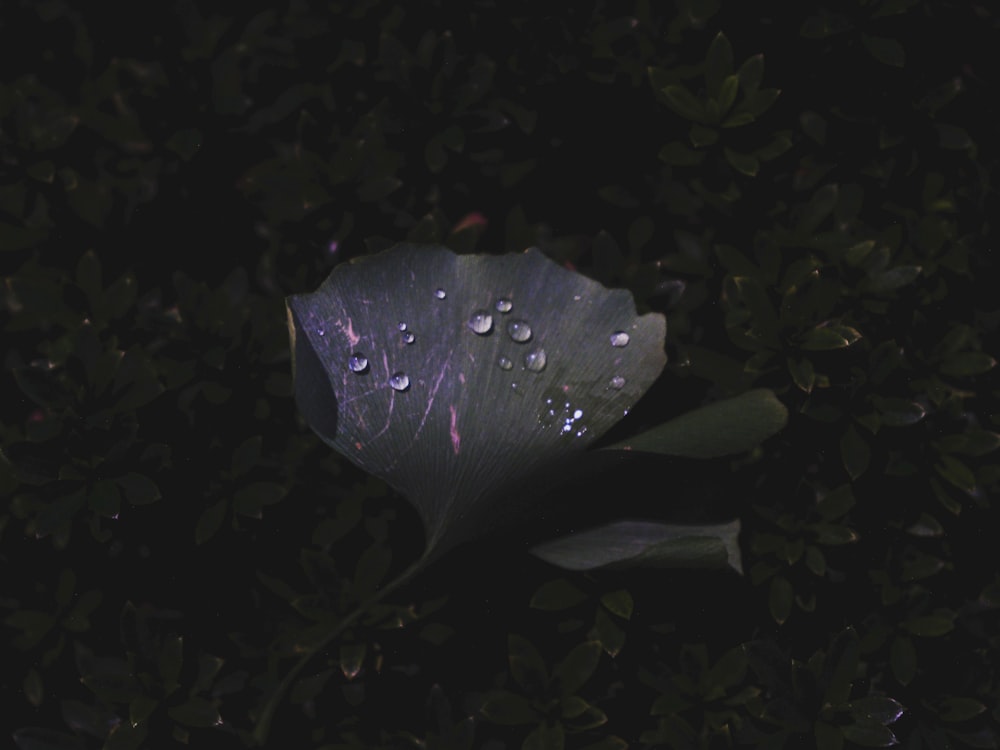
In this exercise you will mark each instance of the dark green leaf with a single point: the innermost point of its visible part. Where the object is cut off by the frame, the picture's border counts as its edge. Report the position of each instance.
(546, 737)
(252, 499)
(185, 143)
(840, 667)
(611, 636)
(929, 626)
(684, 103)
(820, 205)
(824, 24)
(778, 145)
(246, 455)
(195, 712)
(573, 672)
(618, 602)
(958, 708)
(372, 566)
(718, 65)
(352, 656)
(505, 707)
(751, 74)
(876, 708)
(727, 94)
(903, 659)
(802, 373)
(957, 473)
(723, 428)
(885, 50)
(556, 595)
(898, 412)
(210, 521)
(965, 364)
(744, 163)
(854, 452)
(836, 503)
(779, 599)
(526, 665)
(893, 278)
(825, 337)
(37, 738)
(139, 489)
(677, 154)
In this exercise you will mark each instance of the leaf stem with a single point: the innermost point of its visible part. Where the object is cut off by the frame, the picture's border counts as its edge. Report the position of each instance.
(263, 725)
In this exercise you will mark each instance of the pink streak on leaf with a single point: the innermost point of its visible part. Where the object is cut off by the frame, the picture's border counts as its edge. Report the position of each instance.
(456, 439)
(348, 330)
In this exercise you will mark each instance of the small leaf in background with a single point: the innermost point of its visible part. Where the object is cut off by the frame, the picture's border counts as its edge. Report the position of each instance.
(885, 50)
(854, 452)
(619, 602)
(780, 598)
(138, 488)
(611, 636)
(555, 595)
(352, 655)
(572, 673)
(210, 521)
(965, 364)
(505, 707)
(829, 336)
(527, 666)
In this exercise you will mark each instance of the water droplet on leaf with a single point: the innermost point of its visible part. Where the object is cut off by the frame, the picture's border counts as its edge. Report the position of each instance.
(535, 360)
(440, 293)
(617, 382)
(504, 305)
(400, 381)
(505, 364)
(619, 338)
(519, 330)
(357, 363)
(402, 326)
(408, 337)
(481, 322)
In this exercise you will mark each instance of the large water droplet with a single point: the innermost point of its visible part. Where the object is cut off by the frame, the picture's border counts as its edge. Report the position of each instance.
(440, 293)
(519, 330)
(357, 362)
(535, 360)
(504, 363)
(617, 382)
(619, 338)
(481, 322)
(400, 381)
(504, 305)
(408, 337)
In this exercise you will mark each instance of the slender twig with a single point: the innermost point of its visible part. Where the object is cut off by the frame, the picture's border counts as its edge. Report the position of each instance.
(263, 725)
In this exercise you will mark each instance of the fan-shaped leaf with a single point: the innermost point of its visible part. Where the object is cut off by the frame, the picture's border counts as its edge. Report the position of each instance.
(462, 379)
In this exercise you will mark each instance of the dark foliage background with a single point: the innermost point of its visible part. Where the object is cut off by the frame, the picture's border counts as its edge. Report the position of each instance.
(172, 535)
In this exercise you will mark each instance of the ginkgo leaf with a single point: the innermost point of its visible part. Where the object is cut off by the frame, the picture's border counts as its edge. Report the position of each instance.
(647, 543)
(463, 380)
